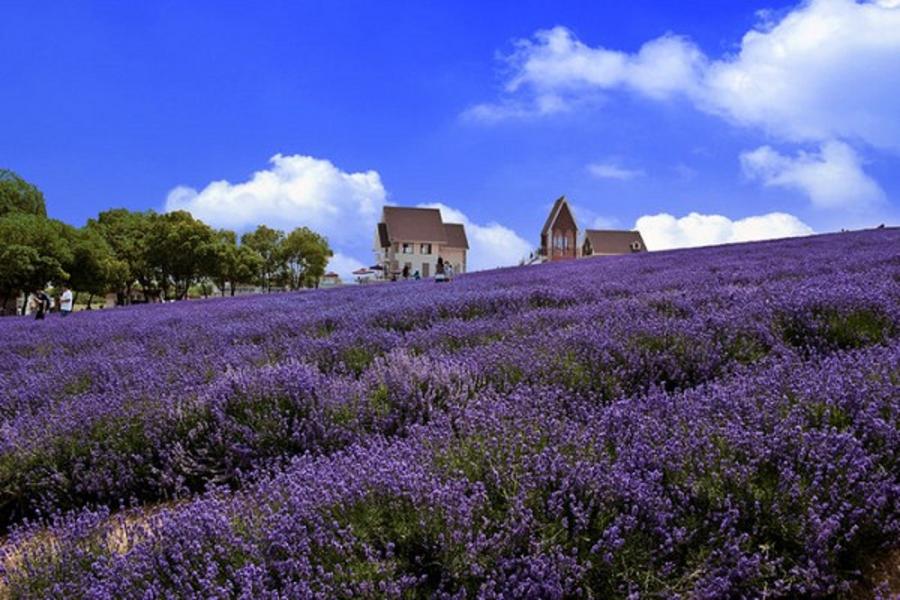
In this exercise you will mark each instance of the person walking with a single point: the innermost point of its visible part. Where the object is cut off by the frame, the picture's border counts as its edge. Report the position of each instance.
(42, 304)
(405, 272)
(66, 302)
(439, 271)
(449, 269)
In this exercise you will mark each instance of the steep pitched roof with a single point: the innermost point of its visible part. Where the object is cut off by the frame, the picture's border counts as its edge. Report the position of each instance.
(405, 224)
(604, 241)
(456, 235)
(383, 237)
(554, 213)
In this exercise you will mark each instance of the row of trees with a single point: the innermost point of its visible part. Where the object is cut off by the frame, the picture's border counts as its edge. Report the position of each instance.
(165, 255)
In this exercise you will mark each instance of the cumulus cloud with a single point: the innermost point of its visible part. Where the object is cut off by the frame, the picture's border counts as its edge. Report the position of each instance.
(295, 190)
(832, 178)
(344, 266)
(611, 171)
(664, 231)
(830, 69)
(491, 245)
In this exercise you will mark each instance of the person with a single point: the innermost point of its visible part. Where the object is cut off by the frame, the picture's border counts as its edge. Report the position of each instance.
(42, 304)
(405, 272)
(449, 269)
(65, 302)
(416, 275)
(439, 272)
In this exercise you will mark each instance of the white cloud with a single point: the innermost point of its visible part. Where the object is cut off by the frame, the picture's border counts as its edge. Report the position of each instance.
(296, 190)
(611, 171)
(344, 266)
(491, 245)
(830, 69)
(664, 231)
(833, 178)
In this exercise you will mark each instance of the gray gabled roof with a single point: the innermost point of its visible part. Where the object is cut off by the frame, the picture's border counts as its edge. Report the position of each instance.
(406, 224)
(456, 235)
(554, 212)
(606, 241)
(383, 237)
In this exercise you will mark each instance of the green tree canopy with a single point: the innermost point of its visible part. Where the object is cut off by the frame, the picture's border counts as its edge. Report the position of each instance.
(94, 268)
(128, 235)
(234, 264)
(182, 248)
(34, 250)
(19, 196)
(267, 243)
(305, 253)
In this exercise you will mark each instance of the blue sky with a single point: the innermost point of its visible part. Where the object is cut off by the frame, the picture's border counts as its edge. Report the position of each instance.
(763, 118)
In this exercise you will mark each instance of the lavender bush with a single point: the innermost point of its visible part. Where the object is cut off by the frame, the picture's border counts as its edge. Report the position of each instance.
(711, 423)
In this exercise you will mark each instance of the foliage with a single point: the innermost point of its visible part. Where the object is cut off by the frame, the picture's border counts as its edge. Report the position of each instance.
(128, 235)
(266, 242)
(19, 196)
(34, 251)
(306, 255)
(182, 248)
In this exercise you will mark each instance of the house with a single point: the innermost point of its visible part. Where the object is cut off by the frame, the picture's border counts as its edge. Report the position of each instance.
(364, 275)
(330, 279)
(604, 242)
(414, 238)
(559, 238)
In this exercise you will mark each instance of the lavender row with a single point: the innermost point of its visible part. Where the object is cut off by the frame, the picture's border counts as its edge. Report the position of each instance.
(787, 482)
(156, 403)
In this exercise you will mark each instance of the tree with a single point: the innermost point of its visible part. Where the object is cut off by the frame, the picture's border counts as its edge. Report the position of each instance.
(182, 248)
(234, 264)
(19, 196)
(267, 243)
(128, 235)
(34, 251)
(94, 268)
(305, 254)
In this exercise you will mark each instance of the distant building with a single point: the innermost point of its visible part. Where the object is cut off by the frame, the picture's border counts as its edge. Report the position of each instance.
(415, 238)
(330, 279)
(559, 238)
(364, 275)
(604, 242)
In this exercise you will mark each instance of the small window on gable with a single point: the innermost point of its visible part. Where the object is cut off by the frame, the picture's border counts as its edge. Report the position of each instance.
(635, 246)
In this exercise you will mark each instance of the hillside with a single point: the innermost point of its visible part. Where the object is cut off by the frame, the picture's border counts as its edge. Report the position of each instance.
(701, 423)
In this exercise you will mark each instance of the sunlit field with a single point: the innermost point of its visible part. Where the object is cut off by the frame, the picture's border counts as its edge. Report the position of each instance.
(713, 423)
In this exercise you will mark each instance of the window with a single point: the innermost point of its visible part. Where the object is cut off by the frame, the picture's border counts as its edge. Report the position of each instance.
(407, 249)
(425, 249)
(635, 246)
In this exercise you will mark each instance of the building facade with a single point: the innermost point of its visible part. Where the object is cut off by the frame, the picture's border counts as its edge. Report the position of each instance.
(411, 240)
(560, 238)
(605, 242)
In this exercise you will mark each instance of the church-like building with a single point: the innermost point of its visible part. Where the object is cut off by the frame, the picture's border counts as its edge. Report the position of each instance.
(560, 238)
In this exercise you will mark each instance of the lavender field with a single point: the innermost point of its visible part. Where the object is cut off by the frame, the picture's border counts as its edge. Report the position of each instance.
(711, 423)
